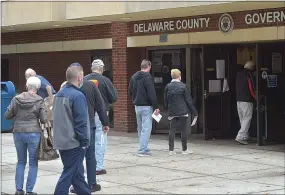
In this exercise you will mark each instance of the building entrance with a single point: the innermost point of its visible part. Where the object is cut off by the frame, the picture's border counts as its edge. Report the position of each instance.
(219, 68)
(163, 60)
(272, 90)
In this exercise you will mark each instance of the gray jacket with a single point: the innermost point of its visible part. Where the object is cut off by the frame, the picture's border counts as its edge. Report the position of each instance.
(27, 110)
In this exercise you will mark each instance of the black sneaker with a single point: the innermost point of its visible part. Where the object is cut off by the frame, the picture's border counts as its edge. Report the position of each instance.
(31, 193)
(95, 188)
(20, 192)
(101, 172)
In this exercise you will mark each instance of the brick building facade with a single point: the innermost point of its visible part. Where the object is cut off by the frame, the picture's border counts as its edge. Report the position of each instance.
(126, 53)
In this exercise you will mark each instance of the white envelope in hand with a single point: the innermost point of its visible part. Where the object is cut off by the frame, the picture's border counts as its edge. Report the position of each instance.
(157, 118)
(194, 121)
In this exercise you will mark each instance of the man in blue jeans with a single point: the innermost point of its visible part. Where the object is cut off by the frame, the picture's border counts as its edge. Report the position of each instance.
(71, 132)
(142, 90)
(95, 104)
(109, 95)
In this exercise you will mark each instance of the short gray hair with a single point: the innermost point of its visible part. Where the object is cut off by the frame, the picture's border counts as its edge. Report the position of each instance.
(97, 65)
(73, 71)
(33, 83)
(30, 73)
(145, 64)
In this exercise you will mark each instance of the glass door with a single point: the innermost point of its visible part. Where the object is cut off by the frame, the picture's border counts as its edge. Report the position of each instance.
(162, 63)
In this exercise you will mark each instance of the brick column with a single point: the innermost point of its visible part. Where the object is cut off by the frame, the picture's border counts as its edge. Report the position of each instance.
(124, 118)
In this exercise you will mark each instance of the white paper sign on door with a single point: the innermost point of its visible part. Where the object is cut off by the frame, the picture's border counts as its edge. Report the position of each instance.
(220, 69)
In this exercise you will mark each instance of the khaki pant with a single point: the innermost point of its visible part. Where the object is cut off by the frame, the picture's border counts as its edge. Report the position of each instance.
(245, 111)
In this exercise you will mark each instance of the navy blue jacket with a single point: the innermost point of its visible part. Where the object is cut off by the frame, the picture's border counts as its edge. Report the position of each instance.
(71, 127)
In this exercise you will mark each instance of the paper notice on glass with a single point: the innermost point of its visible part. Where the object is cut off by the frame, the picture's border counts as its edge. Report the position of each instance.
(220, 69)
(194, 121)
(225, 85)
(156, 117)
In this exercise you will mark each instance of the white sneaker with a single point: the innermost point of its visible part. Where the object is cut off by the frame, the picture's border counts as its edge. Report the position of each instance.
(187, 152)
(171, 153)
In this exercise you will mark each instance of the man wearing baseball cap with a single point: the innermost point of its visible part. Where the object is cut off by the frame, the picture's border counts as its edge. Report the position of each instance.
(109, 94)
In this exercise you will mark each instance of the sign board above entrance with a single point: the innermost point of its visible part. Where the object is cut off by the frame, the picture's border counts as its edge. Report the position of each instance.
(172, 25)
(225, 22)
(265, 17)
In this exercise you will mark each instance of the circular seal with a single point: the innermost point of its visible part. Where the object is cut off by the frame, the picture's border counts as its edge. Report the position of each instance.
(165, 69)
(264, 74)
(226, 23)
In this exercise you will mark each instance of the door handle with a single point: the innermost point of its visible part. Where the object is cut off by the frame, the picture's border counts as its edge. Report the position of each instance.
(205, 94)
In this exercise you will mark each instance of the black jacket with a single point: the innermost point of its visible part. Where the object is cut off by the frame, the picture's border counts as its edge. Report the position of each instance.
(105, 85)
(177, 99)
(95, 103)
(142, 90)
(244, 93)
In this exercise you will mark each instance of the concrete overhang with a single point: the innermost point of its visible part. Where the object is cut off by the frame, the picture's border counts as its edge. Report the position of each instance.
(47, 15)
(23, 16)
(185, 9)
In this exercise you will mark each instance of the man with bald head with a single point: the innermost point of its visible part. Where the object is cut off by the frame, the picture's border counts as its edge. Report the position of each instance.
(71, 130)
(46, 89)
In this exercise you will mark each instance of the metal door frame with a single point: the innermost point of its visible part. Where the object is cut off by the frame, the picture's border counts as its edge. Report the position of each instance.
(258, 129)
(204, 92)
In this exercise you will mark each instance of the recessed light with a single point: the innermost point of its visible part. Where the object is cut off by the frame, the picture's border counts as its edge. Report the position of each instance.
(126, 18)
(55, 25)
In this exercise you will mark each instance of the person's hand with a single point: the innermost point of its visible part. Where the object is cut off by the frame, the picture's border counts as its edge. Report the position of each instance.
(157, 112)
(106, 129)
(51, 101)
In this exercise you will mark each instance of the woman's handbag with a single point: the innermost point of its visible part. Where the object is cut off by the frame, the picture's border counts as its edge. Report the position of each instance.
(46, 151)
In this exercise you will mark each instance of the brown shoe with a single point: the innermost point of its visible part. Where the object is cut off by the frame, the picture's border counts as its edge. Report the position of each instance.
(101, 172)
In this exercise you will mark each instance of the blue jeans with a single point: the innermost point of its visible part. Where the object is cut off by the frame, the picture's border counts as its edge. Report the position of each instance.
(100, 147)
(26, 142)
(73, 173)
(144, 122)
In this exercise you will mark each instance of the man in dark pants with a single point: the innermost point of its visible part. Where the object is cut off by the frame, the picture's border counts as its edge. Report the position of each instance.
(71, 132)
(95, 104)
(178, 101)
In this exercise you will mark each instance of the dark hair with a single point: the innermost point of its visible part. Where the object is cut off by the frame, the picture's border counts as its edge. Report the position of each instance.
(145, 64)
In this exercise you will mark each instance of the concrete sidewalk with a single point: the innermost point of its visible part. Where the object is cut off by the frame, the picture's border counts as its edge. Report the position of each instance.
(214, 168)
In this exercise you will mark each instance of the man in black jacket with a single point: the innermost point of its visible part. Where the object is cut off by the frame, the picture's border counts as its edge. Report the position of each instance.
(245, 96)
(142, 90)
(94, 104)
(109, 95)
(178, 101)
